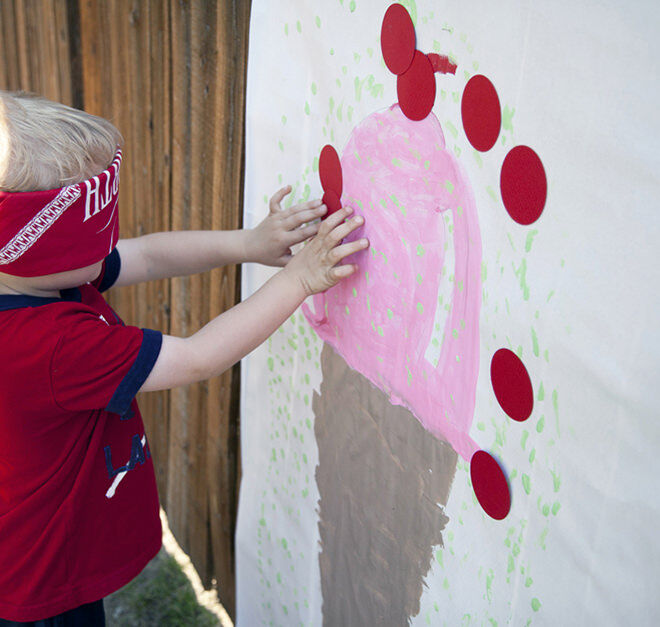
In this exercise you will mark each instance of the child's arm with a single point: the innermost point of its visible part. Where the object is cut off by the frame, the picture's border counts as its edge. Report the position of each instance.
(233, 334)
(180, 253)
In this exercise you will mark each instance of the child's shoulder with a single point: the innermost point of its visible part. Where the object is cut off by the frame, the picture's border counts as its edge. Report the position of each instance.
(26, 319)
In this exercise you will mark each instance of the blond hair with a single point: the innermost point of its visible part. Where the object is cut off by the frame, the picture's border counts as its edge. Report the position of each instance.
(46, 145)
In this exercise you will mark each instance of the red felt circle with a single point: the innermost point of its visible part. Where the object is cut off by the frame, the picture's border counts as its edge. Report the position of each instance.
(511, 384)
(330, 170)
(523, 185)
(397, 39)
(490, 485)
(331, 201)
(481, 113)
(416, 88)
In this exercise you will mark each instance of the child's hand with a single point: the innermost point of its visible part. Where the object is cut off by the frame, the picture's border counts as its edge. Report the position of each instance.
(270, 242)
(315, 266)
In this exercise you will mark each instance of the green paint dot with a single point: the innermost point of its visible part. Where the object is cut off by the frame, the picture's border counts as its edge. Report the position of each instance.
(420, 250)
(390, 314)
(526, 483)
(318, 21)
(450, 186)
(380, 331)
(351, 6)
(396, 162)
(535, 343)
(536, 604)
(530, 239)
(314, 88)
(507, 118)
(299, 26)
(419, 279)
(454, 333)
(354, 292)
(420, 308)
(271, 364)
(540, 424)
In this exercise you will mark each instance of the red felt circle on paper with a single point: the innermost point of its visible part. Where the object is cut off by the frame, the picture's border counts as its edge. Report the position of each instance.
(523, 185)
(416, 88)
(330, 170)
(331, 201)
(397, 39)
(490, 485)
(481, 113)
(511, 385)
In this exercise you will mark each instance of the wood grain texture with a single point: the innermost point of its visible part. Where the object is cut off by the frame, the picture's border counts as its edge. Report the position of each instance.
(170, 74)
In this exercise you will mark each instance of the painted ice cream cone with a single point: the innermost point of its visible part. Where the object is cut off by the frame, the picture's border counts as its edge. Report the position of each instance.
(402, 344)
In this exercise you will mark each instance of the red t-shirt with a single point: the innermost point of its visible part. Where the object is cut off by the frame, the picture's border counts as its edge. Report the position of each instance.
(79, 514)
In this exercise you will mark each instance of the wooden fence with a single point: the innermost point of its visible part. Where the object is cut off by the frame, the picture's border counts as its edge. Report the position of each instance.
(171, 76)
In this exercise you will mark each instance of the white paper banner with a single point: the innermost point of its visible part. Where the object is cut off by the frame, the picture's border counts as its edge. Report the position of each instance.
(357, 505)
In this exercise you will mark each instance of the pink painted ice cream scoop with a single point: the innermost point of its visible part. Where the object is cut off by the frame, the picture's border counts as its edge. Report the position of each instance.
(408, 320)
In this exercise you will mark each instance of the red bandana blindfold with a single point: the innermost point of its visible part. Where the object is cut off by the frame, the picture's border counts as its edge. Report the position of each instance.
(63, 229)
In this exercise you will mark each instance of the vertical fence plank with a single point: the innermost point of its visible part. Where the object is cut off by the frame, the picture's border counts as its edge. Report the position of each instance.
(157, 294)
(10, 65)
(22, 47)
(177, 471)
(231, 43)
(64, 68)
(193, 72)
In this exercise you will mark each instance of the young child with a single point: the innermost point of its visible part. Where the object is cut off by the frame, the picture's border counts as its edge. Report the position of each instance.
(79, 514)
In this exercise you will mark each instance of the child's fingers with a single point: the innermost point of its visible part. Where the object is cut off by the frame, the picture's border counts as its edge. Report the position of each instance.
(306, 206)
(344, 250)
(277, 198)
(300, 217)
(301, 235)
(341, 272)
(342, 230)
(334, 220)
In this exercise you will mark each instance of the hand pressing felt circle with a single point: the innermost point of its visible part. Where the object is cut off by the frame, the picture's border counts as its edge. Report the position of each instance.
(416, 88)
(397, 39)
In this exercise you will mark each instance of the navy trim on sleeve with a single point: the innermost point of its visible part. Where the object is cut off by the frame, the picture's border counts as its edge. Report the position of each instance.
(112, 269)
(121, 400)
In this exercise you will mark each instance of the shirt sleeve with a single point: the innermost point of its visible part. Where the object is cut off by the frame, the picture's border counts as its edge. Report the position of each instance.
(109, 272)
(101, 366)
